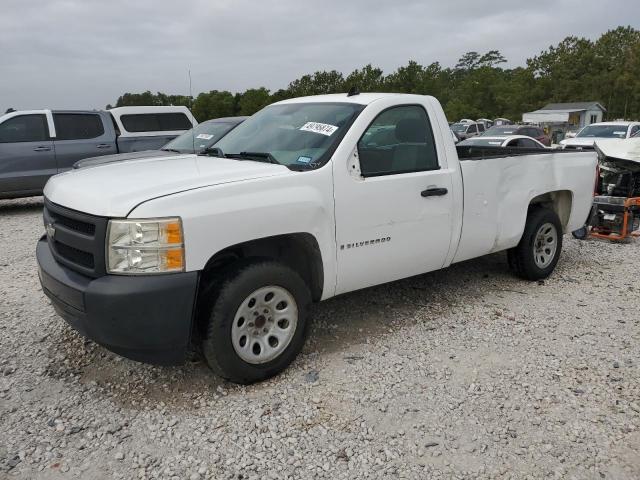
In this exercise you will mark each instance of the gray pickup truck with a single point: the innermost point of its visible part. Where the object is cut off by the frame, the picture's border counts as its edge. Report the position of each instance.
(36, 144)
(196, 140)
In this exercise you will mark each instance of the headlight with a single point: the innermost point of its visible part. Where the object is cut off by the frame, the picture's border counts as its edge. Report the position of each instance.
(137, 247)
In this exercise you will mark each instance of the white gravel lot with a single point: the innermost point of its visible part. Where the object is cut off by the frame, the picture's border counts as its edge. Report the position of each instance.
(463, 373)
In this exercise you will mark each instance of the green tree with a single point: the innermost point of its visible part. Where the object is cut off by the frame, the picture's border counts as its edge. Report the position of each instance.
(576, 69)
(317, 84)
(253, 100)
(367, 79)
(214, 104)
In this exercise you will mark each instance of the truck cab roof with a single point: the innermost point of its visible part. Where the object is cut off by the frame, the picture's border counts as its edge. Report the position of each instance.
(360, 98)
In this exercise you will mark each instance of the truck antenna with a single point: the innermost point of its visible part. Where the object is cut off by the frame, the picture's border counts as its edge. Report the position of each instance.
(193, 138)
(353, 91)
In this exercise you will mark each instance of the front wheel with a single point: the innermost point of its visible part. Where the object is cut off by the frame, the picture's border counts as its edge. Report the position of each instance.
(257, 321)
(538, 252)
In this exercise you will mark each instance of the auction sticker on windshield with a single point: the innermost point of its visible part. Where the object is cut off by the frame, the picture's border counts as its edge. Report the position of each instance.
(321, 128)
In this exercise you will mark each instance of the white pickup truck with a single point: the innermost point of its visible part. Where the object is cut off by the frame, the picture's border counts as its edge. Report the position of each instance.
(307, 199)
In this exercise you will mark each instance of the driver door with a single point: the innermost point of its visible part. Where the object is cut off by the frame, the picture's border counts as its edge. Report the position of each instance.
(394, 220)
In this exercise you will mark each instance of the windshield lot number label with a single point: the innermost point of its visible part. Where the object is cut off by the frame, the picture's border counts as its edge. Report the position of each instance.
(321, 128)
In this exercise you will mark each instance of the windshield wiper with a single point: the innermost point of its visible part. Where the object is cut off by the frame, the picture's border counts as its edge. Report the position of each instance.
(170, 150)
(257, 156)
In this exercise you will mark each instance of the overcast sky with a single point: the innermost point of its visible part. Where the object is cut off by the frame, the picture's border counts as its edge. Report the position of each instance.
(85, 53)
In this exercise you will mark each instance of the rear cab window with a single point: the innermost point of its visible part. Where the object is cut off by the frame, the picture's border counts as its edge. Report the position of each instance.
(399, 140)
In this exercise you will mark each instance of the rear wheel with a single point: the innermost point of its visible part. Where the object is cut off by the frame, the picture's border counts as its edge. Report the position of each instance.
(257, 321)
(538, 252)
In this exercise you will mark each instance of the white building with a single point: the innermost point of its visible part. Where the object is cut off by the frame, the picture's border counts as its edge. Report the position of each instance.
(576, 115)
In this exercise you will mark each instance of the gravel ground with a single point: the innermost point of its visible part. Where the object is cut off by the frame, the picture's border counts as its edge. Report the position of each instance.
(464, 373)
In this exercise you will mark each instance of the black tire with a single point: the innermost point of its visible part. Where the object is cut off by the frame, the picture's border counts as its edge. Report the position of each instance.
(225, 296)
(521, 258)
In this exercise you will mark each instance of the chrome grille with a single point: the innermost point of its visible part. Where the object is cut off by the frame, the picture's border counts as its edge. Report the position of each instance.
(76, 239)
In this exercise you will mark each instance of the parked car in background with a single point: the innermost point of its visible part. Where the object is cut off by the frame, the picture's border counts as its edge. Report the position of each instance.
(196, 140)
(488, 123)
(502, 121)
(467, 130)
(527, 130)
(520, 141)
(466, 120)
(455, 136)
(36, 144)
(586, 138)
(571, 132)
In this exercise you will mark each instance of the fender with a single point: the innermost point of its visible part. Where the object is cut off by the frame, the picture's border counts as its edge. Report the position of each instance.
(220, 216)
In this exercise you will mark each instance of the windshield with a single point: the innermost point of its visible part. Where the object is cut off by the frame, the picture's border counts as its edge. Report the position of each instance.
(201, 136)
(604, 131)
(459, 127)
(501, 131)
(296, 134)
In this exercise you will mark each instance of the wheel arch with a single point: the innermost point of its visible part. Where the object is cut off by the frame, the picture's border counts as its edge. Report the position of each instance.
(560, 201)
(299, 251)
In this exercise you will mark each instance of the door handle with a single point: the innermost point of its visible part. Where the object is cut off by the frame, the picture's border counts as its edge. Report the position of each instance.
(434, 192)
(103, 145)
(42, 149)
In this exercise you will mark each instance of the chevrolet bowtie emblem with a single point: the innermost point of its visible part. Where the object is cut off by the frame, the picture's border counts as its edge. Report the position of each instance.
(51, 230)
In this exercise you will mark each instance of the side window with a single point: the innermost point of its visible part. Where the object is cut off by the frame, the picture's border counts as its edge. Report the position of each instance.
(77, 126)
(635, 129)
(24, 128)
(174, 121)
(472, 129)
(155, 122)
(399, 140)
(481, 127)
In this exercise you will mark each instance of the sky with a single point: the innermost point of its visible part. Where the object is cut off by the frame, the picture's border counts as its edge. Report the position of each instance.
(83, 54)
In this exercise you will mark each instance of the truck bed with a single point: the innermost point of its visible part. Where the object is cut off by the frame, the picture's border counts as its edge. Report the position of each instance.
(499, 189)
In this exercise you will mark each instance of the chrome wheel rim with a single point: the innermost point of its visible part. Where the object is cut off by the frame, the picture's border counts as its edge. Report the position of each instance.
(545, 245)
(264, 324)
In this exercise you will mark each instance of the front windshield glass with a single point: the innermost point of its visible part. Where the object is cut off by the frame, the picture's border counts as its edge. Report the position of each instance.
(501, 131)
(294, 134)
(201, 136)
(604, 131)
(459, 127)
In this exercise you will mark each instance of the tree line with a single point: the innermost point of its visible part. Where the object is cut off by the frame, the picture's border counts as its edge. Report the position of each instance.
(606, 70)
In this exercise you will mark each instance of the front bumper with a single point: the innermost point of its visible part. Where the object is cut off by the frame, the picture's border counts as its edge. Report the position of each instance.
(145, 318)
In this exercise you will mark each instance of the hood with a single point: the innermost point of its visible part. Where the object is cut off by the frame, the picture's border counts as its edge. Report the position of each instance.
(621, 154)
(114, 189)
(579, 141)
(121, 157)
(586, 141)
